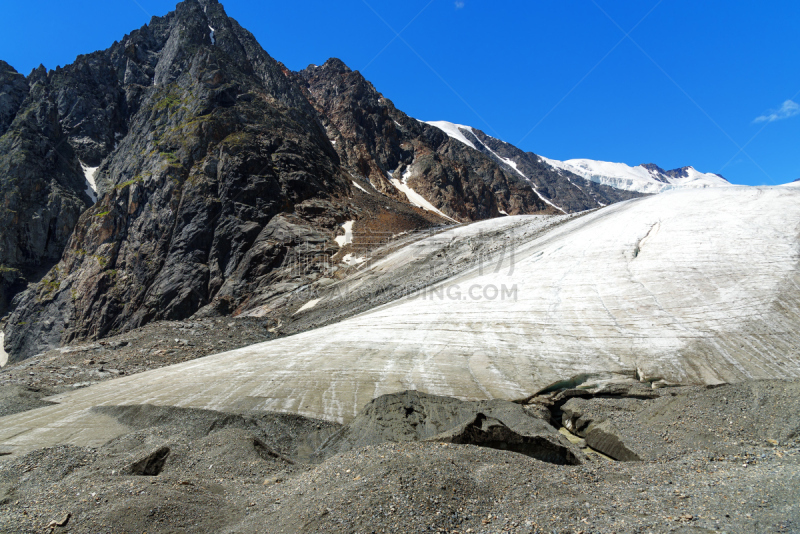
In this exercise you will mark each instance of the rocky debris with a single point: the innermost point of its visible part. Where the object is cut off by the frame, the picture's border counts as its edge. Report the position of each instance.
(416, 416)
(217, 477)
(485, 431)
(60, 522)
(15, 398)
(632, 421)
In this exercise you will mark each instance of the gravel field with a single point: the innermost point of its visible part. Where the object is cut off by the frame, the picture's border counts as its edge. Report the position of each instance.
(722, 459)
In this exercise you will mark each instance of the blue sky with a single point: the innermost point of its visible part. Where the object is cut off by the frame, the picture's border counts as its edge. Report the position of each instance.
(712, 84)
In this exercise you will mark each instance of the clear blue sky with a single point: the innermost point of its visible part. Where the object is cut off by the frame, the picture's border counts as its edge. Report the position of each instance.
(559, 78)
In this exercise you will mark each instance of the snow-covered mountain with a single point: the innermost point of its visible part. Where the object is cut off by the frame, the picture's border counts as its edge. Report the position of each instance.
(647, 178)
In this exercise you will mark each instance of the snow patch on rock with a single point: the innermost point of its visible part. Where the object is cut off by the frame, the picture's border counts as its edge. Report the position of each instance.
(307, 306)
(358, 186)
(414, 197)
(91, 186)
(352, 260)
(454, 131)
(347, 238)
(3, 354)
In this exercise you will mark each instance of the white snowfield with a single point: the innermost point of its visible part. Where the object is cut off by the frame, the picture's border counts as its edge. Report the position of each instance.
(691, 286)
(639, 179)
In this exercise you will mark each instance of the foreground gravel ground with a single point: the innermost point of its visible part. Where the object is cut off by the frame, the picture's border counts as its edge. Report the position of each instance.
(410, 487)
(724, 459)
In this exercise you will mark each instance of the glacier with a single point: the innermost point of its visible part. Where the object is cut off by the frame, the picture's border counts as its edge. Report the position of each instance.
(693, 286)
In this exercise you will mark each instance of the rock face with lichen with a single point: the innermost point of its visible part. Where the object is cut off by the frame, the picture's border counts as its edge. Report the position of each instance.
(201, 196)
(213, 168)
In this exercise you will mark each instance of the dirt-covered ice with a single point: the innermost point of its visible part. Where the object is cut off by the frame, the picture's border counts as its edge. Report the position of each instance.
(695, 286)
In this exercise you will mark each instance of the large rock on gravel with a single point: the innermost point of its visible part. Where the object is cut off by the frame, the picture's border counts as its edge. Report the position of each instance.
(415, 416)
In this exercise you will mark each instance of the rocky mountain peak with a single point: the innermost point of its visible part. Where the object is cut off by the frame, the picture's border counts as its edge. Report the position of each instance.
(652, 167)
(337, 65)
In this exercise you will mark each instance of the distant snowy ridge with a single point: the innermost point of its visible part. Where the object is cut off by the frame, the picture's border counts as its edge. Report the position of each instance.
(642, 178)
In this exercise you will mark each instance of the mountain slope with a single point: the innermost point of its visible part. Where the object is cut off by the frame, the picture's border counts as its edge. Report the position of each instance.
(563, 192)
(388, 151)
(221, 183)
(222, 170)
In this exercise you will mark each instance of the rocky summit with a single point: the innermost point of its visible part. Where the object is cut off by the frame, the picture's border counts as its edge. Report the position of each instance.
(236, 298)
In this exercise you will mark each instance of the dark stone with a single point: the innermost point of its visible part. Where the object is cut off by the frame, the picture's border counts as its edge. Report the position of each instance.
(152, 464)
(416, 416)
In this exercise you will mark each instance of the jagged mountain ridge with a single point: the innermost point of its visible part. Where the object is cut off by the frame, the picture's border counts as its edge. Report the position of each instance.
(213, 162)
(375, 141)
(602, 181)
(563, 191)
(218, 143)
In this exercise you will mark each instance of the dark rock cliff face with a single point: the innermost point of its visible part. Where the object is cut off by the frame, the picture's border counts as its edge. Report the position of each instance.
(42, 190)
(216, 142)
